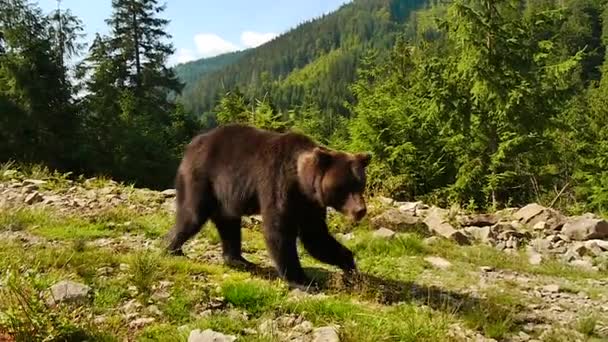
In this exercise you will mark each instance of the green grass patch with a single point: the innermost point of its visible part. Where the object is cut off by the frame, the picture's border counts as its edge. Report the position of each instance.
(254, 296)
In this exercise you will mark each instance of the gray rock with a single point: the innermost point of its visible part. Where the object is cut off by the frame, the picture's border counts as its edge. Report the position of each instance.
(325, 334)
(553, 288)
(412, 207)
(584, 264)
(586, 229)
(534, 213)
(438, 262)
(386, 200)
(169, 193)
(345, 237)
(479, 220)
(209, 335)
(33, 198)
(383, 233)
(535, 258)
(398, 221)
(481, 234)
(68, 292)
(437, 224)
(140, 322)
(602, 244)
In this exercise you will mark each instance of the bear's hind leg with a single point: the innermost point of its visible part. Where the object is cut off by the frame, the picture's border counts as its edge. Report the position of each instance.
(229, 230)
(193, 211)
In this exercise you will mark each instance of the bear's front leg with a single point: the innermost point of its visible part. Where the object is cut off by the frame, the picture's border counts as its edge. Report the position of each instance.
(280, 238)
(322, 246)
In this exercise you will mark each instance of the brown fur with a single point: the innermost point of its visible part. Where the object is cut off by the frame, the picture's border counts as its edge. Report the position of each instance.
(237, 170)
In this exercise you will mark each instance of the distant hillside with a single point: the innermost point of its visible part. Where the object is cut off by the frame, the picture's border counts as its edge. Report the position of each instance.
(191, 72)
(311, 64)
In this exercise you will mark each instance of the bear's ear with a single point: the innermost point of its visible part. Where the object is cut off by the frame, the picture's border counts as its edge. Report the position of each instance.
(364, 158)
(323, 157)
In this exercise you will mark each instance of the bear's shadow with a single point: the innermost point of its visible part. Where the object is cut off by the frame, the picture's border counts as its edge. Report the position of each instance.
(392, 291)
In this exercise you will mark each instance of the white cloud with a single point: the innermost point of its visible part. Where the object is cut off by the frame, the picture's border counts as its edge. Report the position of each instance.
(183, 56)
(209, 45)
(252, 39)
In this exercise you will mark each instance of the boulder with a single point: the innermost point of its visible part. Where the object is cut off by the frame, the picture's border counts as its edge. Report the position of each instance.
(478, 220)
(438, 262)
(584, 228)
(412, 208)
(68, 292)
(209, 335)
(383, 233)
(325, 334)
(397, 220)
(436, 223)
(534, 213)
(481, 234)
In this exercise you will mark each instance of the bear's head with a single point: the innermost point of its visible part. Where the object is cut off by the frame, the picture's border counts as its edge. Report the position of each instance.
(335, 179)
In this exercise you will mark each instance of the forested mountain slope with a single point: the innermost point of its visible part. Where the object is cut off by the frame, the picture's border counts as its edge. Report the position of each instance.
(311, 64)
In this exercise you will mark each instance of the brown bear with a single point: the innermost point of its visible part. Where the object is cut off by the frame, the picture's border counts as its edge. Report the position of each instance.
(236, 170)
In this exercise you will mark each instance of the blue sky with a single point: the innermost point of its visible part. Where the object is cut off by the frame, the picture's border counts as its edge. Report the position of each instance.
(210, 27)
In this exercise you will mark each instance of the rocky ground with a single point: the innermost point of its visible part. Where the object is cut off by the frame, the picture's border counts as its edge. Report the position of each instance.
(80, 260)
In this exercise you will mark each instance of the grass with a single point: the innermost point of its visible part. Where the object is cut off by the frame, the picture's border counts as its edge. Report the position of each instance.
(399, 296)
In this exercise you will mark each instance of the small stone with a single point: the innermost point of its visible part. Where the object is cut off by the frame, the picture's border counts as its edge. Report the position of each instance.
(33, 198)
(383, 233)
(540, 225)
(325, 334)
(346, 237)
(584, 228)
(486, 269)
(438, 262)
(386, 200)
(431, 240)
(169, 193)
(209, 335)
(124, 267)
(585, 264)
(154, 310)
(554, 288)
(68, 292)
(535, 258)
(140, 322)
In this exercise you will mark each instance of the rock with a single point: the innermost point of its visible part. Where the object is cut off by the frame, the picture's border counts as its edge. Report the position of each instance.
(534, 213)
(431, 240)
(397, 220)
(479, 220)
(68, 292)
(325, 334)
(438, 262)
(386, 200)
(33, 198)
(481, 234)
(209, 335)
(437, 224)
(535, 258)
(540, 225)
(541, 245)
(345, 237)
(553, 288)
(602, 244)
(383, 233)
(169, 193)
(583, 228)
(486, 269)
(154, 310)
(140, 322)
(585, 264)
(412, 207)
